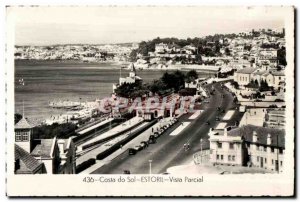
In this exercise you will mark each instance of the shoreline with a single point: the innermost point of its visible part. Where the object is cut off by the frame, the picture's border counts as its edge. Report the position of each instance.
(116, 65)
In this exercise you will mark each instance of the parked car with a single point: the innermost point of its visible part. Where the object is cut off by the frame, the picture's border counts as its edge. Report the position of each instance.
(218, 108)
(127, 172)
(207, 123)
(131, 151)
(217, 118)
(152, 139)
(156, 134)
(144, 143)
(138, 148)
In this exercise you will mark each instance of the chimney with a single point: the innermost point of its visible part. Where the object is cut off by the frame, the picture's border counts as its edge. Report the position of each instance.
(254, 136)
(269, 141)
(225, 132)
(61, 146)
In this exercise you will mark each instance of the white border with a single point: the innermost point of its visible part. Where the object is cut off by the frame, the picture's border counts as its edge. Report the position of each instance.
(213, 2)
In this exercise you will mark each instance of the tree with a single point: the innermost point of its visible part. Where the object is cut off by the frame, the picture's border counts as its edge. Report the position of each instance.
(173, 80)
(235, 84)
(157, 86)
(227, 51)
(264, 86)
(281, 56)
(191, 76)
(133, 55)
(64, 130)
(18, 117)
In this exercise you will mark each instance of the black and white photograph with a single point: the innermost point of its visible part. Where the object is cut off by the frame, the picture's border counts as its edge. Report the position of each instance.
(152, 94)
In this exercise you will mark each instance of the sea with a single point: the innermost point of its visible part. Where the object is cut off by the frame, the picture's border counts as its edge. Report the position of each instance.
(38, 83)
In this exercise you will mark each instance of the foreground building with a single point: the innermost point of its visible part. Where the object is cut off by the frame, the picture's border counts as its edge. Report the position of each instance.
(248, 145)
(38, 156)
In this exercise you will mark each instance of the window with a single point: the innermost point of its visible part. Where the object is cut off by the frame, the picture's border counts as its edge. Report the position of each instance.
(18, 137)
(272, 149)
(265, 148)
(231, 145)
(257, 147)
(222, 157)
(229, 157)
(25, 137)
(258, 159)
(219, 145)
(272, 162)
(218, 156)
(281, 163)
(280, 151)
(233, 158)
(265, 160)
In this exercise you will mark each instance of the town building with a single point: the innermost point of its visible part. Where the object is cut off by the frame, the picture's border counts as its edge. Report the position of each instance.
(243, 76)
(275, 118)
(249, 145)
(273, 78)
(132, 78)
(47, 156)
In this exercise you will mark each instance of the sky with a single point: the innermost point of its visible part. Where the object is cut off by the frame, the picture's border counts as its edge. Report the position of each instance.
(100, 25)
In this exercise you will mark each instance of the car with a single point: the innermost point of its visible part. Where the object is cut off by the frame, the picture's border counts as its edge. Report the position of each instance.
(218, 108)
(138, 148)
(223, 111)
(223, 95)
(207, 123)
(152, 139)
(217, 118)
(127, 172)
(131, 151)
(143, 144)
(206, 101)
(156, 134)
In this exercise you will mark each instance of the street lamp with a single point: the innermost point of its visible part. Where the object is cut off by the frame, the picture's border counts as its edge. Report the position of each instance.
(150, 171)
(201, 140)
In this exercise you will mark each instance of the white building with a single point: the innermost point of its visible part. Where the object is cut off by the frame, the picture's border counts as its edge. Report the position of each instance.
(132, 78)
(249, 145)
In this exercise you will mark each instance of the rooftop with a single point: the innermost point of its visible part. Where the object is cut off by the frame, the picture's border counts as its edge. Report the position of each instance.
(30, 164)
(43, 148)
(23, 124)
(262, 134)
(247, 70)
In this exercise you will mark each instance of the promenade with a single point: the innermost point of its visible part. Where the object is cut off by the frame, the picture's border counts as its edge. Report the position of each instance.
(134, 142)
(114, 131)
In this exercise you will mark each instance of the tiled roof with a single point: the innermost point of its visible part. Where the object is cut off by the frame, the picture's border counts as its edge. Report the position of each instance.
(262, 134)
(247, 70)
(42, 148)
(29, 162)
(23, 124)
(278, 73)
(260, 72)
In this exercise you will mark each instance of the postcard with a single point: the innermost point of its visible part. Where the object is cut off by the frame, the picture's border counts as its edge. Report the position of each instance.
(160, 101)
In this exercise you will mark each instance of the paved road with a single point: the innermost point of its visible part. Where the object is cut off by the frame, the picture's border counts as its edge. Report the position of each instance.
(168, 151)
